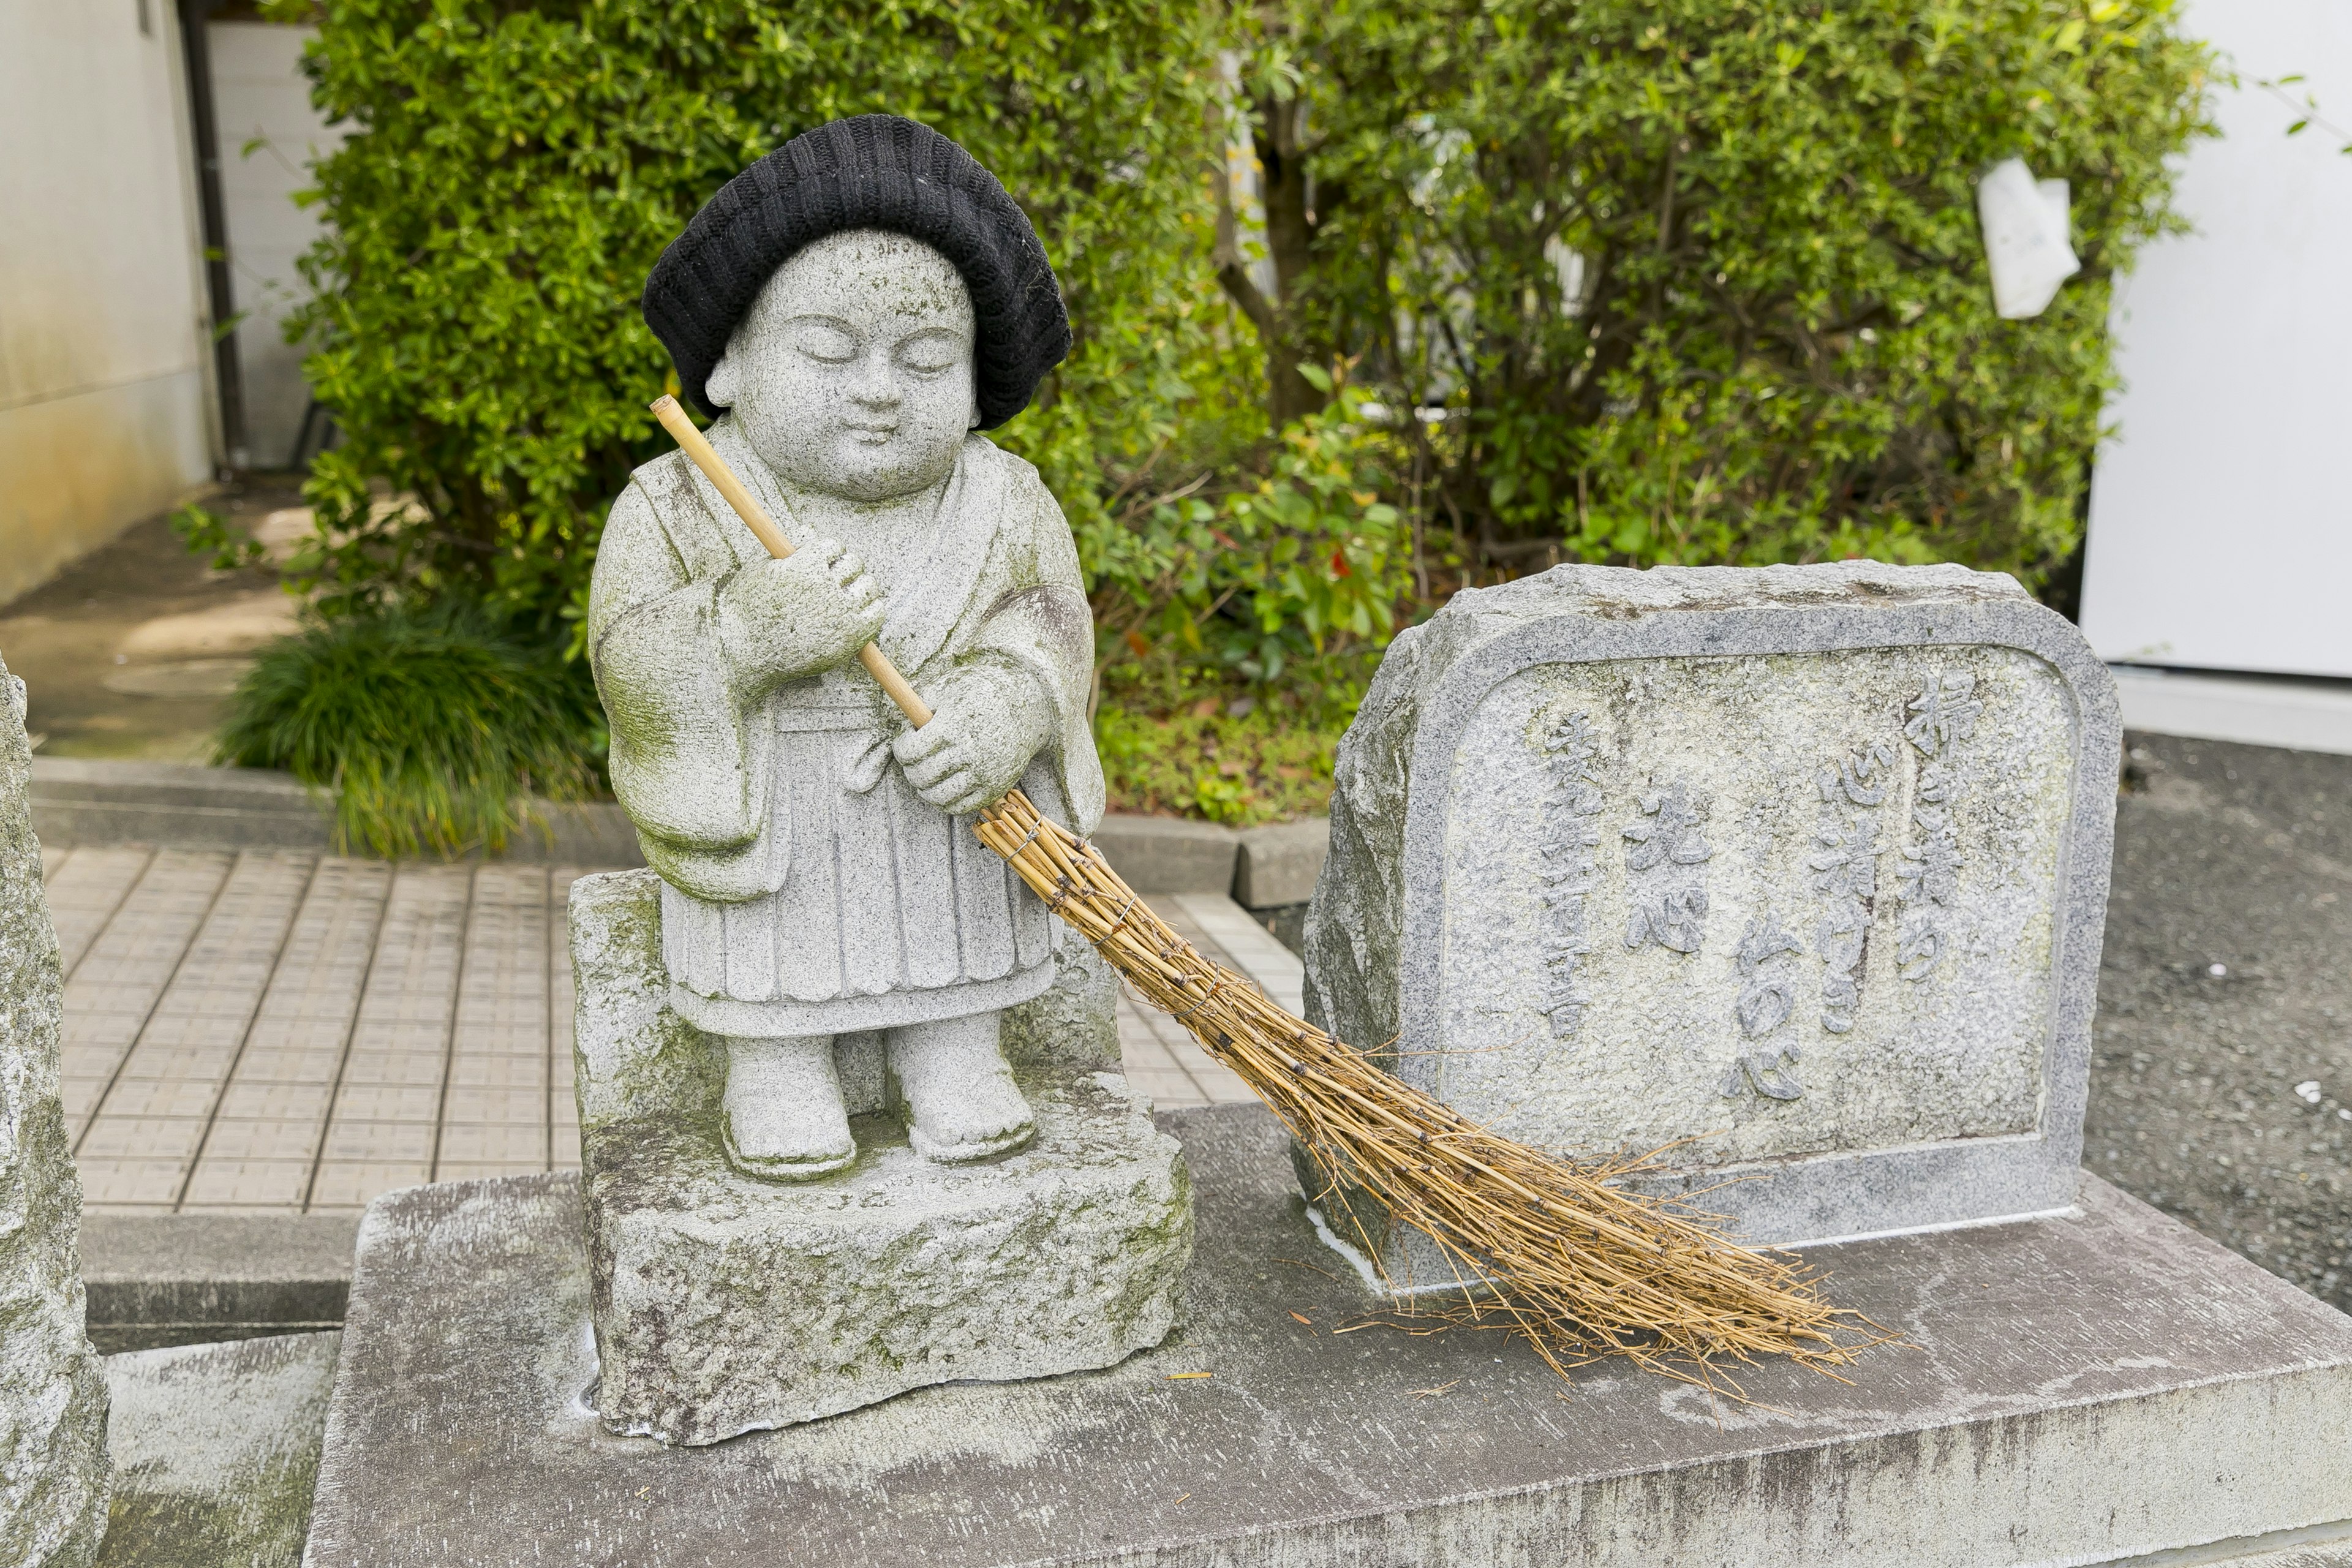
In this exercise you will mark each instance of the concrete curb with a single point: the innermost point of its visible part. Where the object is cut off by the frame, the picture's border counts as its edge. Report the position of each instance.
(1258, 868)
(1169, 855)
(1279, 863)
(79, 802)
(99, 803)
(2302, 715)
(185, 1279)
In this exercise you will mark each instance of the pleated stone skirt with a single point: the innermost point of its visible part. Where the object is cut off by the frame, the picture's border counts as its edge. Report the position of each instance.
(890, 912)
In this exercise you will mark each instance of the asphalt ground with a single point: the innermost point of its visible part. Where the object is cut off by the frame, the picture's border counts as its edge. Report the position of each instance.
(130, 652)
(2222, 1082)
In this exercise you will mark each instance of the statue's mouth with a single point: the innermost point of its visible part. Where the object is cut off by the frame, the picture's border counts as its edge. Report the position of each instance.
(872, 434)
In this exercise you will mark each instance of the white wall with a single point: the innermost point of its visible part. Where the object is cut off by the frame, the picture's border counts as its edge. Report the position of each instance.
(2221, 521)
(103, 358)
(261, 100)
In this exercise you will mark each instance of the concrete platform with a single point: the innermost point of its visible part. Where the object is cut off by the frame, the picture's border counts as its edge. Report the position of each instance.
(2079, 1391)
(2297, 714)
(216, 1448)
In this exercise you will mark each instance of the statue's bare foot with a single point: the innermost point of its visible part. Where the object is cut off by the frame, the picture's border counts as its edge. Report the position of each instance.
(961, 1102)
(784, 1120)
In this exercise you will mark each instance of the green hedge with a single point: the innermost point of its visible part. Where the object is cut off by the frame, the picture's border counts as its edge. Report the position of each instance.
(430, 728)
(1702, 280)
(1673, 280)
(513, 171)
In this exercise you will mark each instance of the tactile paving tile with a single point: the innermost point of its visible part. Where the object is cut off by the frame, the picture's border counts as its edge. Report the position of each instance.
(270, 1031)
(181, 1059)
(494, 1106)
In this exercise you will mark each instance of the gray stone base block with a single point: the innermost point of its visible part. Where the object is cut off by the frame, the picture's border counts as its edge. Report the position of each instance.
(724, 1304)
(215, 1451)
(2072, 1391)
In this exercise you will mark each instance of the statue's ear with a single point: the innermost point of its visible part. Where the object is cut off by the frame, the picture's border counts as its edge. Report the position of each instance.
(725, 383)
(974, 423)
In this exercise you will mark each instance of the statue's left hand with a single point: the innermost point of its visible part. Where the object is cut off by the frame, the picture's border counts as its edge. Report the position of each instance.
(984, 728)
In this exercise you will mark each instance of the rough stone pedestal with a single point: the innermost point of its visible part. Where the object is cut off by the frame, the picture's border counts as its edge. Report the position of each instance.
(53, 1470)
(1796, 873)
(2073, 1391)
(724, 1304)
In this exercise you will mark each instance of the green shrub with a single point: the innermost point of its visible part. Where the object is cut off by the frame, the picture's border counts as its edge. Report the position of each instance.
(1702, 280)
(512, 171)
(430, 730)
(1672, 280)
(1265, 766)
(1290, 570)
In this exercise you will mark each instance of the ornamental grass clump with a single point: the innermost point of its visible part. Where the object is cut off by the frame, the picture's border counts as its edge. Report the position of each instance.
(431, 729)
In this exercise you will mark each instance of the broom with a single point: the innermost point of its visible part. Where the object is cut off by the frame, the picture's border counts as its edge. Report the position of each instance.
(1554, 1248)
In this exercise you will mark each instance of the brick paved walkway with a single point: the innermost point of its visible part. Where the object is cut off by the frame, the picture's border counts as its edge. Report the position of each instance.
(273, 1031)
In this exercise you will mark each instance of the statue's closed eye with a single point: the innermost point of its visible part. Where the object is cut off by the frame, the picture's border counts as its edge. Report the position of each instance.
(825, 340)
(932, 352)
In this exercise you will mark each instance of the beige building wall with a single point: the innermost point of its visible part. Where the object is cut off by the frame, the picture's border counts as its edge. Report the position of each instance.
(104, 356)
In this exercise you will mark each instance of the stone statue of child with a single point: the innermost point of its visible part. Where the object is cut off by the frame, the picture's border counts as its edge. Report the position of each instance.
(860, 303)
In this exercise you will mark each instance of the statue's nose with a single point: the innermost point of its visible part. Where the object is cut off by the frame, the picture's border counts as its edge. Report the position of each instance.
(875, 385)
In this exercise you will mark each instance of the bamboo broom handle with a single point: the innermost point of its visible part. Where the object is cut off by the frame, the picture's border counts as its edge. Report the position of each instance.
(714, 468)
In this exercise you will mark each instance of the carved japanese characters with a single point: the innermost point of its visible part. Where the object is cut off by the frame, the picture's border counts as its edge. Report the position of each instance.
(1568, 868)
(1753, 867)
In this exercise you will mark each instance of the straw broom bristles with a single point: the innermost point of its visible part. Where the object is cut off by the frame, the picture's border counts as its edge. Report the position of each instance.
(1552, 1248)
(1578, 1264)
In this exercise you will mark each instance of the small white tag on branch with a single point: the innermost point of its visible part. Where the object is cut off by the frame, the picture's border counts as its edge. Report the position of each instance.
(2025, 238)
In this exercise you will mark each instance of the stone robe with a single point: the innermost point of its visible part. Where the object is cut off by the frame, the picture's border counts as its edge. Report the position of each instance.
(807, 890)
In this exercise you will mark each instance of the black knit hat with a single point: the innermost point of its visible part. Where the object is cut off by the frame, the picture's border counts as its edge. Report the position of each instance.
(875, 171)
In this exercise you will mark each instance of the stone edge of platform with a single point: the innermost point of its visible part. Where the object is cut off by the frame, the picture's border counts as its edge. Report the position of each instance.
(216, 1450)
(154, 1280)
(93, 802)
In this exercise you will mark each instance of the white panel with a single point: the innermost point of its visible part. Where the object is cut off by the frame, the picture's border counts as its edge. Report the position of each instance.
(2300, 715)
(2221, 520)
(269, 136)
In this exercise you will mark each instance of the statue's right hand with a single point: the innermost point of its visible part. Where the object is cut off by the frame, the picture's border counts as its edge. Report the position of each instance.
(806, 613)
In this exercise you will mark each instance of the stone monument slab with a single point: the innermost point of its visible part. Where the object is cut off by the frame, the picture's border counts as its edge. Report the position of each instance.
(2075, 1390)
(724, 1303)
(1799, 871)
(53, 1466)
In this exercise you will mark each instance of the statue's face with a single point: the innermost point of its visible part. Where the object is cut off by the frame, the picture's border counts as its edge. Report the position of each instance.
(852, 376)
